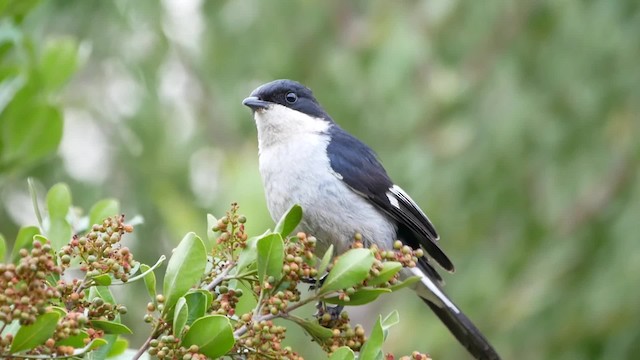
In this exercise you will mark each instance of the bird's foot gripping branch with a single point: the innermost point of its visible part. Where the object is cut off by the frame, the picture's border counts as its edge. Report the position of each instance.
(221, 293)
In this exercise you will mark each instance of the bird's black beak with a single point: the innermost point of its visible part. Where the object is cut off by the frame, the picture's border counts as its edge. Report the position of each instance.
(255, 103)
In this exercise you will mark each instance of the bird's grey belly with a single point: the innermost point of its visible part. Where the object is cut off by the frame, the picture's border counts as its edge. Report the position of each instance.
(332, 212)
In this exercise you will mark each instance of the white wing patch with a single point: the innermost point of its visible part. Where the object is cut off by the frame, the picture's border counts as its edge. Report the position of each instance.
(393, 200)
(434, 289)
(397, 191)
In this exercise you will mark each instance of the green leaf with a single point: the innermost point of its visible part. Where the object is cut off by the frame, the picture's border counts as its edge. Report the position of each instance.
(350, 269)
(59, 61)
(325, 260)
(248, 255)
(102, 210)
(111, 327)
(289, 221)
(315, 330)
(198, 301)
(103, 346)
(389, 269)
(3, 248)
(144, 272)
(37, 333)
(343, 353)
(28, 131)
(77, 341)
(59, 233)
(34, 200)
(270, 256)
(403, 284)
(103, 279)
(180, 316)
(360, 297)
(97, 349)
(372, 348)
(213, 334)
(185, 269)
(211, 235)
(392, 319)
(149, 281)
(61, 311)
(24, 240)
(58, 201)
(102, 292)
(119, 347)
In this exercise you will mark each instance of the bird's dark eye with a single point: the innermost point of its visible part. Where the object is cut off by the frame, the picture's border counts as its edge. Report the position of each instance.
(291, 97)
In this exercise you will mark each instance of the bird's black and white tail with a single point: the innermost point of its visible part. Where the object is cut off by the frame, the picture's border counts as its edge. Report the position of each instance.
(456, 321)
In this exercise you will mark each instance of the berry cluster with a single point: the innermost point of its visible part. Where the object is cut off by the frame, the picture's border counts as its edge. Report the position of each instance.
(343, 333)
(232, 232)
(227, 300)
(100, 250)
(168, 347)
(299, 258)
(264, 340)
(24, 291)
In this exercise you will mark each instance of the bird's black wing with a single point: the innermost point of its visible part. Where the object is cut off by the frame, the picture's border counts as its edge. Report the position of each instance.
(349, 158)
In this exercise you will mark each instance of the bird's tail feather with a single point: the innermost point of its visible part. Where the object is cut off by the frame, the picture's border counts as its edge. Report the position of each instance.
(466, 333)
(458, 323)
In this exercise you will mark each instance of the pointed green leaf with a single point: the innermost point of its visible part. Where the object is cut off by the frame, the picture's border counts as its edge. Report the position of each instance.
(392, 319)
(97, 349)
(37, 333)
(103, 346)
(389, 269)
(270, 256)
(59, 233)
(149, 281)
(111, 327)
(119, 347)
(29, 130)
(403, 284)
(343, 353)
(198, 301)
(59, 201)
(289, 221)
(102, 210)
(59, 61)
(372, 348)
(315, 330)
(102, 292)
(325, 260)
(185, 269)
(351, 269)
(213, 334)
(211, 235)
(102, 279)
(180, 316)
(360, 297)
(144, 272)
(24, 240)
(248, 255)
(77, 341)
(3, 248)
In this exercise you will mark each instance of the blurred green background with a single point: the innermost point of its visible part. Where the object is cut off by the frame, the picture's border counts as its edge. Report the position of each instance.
(514, 124)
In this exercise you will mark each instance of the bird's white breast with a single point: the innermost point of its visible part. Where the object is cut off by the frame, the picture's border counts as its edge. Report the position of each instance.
(295, 169)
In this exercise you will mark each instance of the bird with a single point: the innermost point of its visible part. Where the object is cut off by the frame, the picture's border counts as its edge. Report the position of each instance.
(306, 158)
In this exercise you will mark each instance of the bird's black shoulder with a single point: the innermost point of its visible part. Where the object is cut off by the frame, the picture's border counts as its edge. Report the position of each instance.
(358, 167)
(356, 163)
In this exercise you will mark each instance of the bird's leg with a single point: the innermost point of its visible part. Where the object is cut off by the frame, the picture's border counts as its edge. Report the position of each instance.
(321, 307)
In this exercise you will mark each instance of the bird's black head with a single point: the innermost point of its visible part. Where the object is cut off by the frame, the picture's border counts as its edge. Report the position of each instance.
(287, 93)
